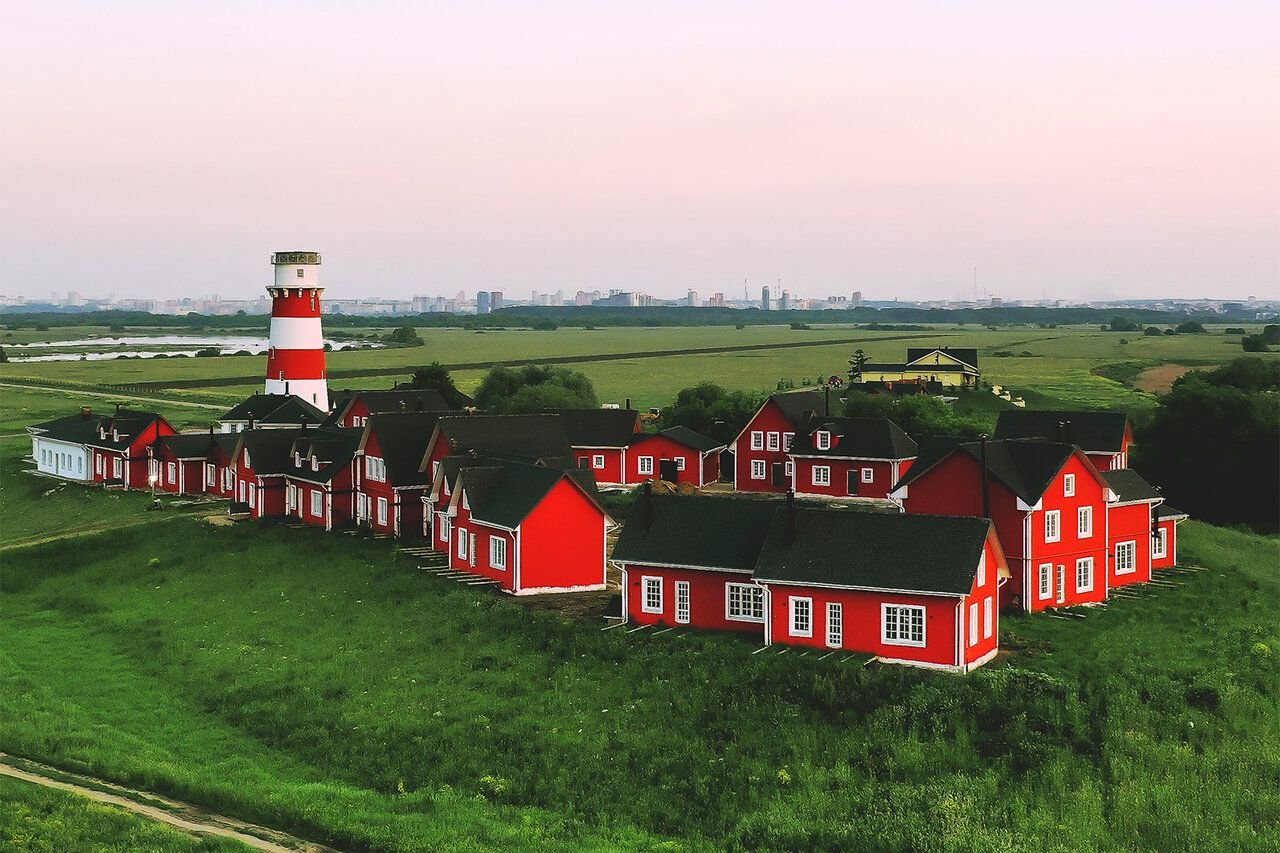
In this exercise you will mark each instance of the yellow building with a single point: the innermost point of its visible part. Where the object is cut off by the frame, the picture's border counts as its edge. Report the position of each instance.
(939, 367)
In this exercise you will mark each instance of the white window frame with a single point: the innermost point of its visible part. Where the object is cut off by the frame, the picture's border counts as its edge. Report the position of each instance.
(988, 617)
(462, 545)
(1160, 543)
(210, 474)
(171, 471)
(497, 552)
(679, 463)
(1084, 522)
(375, 469)
(1053, 522)
(117, 468)
(822, 439)
(774, 442)
(382, 511)
(1045, 588)
(835, 625)
(757, 440)
(787, 439)
(750, 599)
(868, 475)
(597, 461)
(1068, 485)
(973, 624)
(644, 466)
(317, 504)
(758, 469)
(651, 592)
(1131, 548)
(684, 602)
(982, 568)
(894, 617)
(1084, 564)
(821, 475)
(800, 615)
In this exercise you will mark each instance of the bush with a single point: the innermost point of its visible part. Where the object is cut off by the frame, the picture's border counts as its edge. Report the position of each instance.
(1234, 330)
(534, 388)
(1152, 332)
(1123, 324)
(1190, 328)
(1254, 343)
(544, 326)
(404, 336)
(208, 352)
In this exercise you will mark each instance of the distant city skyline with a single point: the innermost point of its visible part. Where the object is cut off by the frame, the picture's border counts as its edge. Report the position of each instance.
(1091, 152)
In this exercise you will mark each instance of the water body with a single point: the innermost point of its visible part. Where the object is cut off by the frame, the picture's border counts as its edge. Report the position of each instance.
(108, 348)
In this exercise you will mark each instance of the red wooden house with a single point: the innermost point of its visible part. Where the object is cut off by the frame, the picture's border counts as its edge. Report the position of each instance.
(677, 455)
(1048, 504)
(389, 482)
(1164, 545)
(761, 451)
(912, 589)
(259, 460)
(179, 463)
(270, 411)
(533, 438)
(1105, 437)
(354, 408)
(531, 528)
(689, 560)
(850, 457)
(1132, 523)
(108, 449)
(319, 477)
(600, 438)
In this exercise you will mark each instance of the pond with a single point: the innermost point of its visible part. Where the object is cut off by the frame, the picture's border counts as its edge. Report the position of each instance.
(150, 346)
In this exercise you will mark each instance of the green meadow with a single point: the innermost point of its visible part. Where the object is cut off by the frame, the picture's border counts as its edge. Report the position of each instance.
(324, 685)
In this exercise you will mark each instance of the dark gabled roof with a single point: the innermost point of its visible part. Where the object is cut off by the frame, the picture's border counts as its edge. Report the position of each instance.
(386, 401)
(77, 429)
(798, 405)
(889, 551)
(335, 448)
(190, 445)
(682, 435)
(1164, 512)
(599, 427)
(1129, 486)
(695, 530)
(274, 409)
(270, 450)
(968, 355)
(530, 437)
(402, 438)
(504, 494)
(866, 438)
(1025, 466)
(1101, 432)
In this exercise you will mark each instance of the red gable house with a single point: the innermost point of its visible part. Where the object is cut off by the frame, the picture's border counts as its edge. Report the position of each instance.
(319, 477)
(677, 455)
(530, 528)
(178, 463)
(389, 484)
(599, 438)
(1046, 500)
(761, 460)
(533, 438)
(1105, 437)
(259, 460)
(850, 457)
(270, 411)
(354, 408)
(1132, 525)
(110, 449)
(1164, 547)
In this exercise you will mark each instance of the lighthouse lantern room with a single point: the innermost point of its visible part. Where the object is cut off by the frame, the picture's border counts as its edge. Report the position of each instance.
(295, 360)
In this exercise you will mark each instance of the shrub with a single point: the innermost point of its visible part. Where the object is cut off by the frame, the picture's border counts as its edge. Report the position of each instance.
(1152, 332)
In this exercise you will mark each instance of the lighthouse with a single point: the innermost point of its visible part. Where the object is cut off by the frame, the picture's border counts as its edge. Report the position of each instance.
(295, 360)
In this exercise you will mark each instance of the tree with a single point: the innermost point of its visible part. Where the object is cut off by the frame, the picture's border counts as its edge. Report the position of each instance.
(857, 363)
(1190, 327)
(405, 336)
(1123, 324)
(1253, 343)
(711, 410)
(434, 377)
(1271, 334)
(3, 356)
(1152, 332)
(922, 417)
(535, 387)
(1213, 444)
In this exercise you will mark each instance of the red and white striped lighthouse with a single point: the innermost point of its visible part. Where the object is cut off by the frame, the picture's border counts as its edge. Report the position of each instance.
(295, 361)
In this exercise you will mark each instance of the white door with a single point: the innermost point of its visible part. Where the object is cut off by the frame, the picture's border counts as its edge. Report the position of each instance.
(1062, 583)
(682, 602)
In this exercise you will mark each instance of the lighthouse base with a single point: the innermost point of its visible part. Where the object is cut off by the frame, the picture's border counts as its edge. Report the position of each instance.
(314, 391)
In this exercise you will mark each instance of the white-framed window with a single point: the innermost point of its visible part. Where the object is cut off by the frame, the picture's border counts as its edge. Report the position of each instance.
(775, 441)
(1084, 522)
(1126, 557)
(835, 624)
(317, 503)
(744, 602)
(1052, 525)
(821, 475)
(651, 598)
(1160, 543)
(246, 458)
(757, 469)
(253, 495)
(290, 496)
(462, 545)
(902, 625)
(382, 510)
(679, 463)
(497, 552)
(757, 440)
(375, 469)
(683, 604)
(172, 470)
(117, 468)
(300, 273)
(973, 624)
(1084, 574)
(445, 529)
(1069, 484)
(982, 568)
(210, 474)
(868, 475)
(471, 548)
(788, 467)
(822, 439)
(787, 438)
(597, 461)
(801, 616)
(987, 617)
(644, 464)
(1046, 580)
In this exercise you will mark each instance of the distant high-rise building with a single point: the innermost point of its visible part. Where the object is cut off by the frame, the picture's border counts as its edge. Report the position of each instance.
(856, 300)
(765, 302)
(483, 305)
(691, 299)
(495, 299)
(716, 300)
(784, 303)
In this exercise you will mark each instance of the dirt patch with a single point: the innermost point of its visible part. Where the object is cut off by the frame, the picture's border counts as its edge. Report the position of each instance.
(1158, 380)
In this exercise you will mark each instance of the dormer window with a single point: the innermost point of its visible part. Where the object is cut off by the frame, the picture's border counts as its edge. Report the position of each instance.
(822, 439)
(115, 434)
(246, 457)
(297, 459)
(315, 463)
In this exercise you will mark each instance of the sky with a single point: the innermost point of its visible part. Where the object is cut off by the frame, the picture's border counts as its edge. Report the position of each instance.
(1074, 150)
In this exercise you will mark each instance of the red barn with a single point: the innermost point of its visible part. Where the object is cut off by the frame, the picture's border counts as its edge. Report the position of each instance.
(1048, 504)
(320, 477)
(688, 560)
(850, 457)
(677, 455)
(109, 449)
(270, 411)
(530, 528)
(354, 408)
(761, 451)
(1164, 544)
(1105, 437)
(389, 484)
(912, 589)
(599, 438)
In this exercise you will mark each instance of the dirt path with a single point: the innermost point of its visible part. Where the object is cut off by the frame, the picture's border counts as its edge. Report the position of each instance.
(114, 396)
(1158, 380)
(184, 816)
(143, 518)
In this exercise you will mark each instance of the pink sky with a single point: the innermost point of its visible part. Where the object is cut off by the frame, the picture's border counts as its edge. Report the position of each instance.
(1074, 150)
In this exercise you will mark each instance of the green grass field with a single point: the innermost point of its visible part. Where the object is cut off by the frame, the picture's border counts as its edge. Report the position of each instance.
(322, 684)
